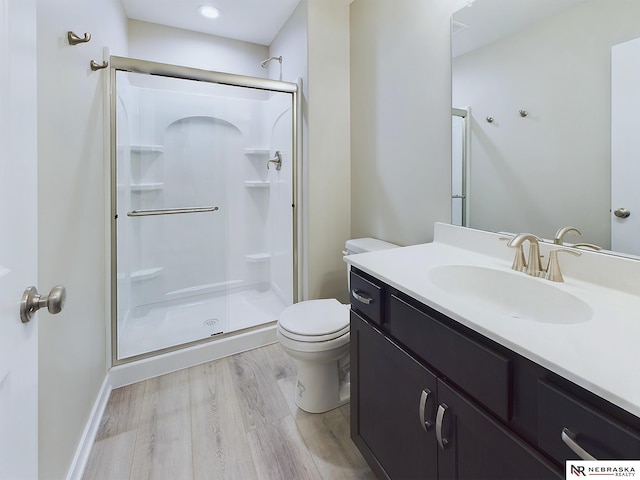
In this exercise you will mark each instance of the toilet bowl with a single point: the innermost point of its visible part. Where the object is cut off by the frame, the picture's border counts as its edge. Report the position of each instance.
(315, 334)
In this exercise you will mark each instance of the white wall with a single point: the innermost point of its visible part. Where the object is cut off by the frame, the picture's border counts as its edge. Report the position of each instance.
(551, 168)
(71, 218)
(328, 142)
(157, 43)
(401, 118)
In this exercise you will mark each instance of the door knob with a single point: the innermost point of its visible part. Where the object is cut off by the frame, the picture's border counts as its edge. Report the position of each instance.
(621, 212)
(32, 301)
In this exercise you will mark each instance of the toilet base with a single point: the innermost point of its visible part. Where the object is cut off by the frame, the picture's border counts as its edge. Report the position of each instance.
(321, 387)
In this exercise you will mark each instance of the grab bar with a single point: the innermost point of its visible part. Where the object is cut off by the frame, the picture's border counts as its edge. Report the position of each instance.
(170, 211)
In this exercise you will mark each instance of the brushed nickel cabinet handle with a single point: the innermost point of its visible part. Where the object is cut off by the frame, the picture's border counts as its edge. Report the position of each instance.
(424, 400)
(360, 298)
(442, 441)
(569, 438)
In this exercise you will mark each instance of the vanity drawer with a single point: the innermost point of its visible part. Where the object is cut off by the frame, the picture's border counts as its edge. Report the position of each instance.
(481, 372)
(601, 436)
(366, 297)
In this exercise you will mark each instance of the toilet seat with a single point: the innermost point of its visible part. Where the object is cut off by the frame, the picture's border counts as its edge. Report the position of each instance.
(315, 321)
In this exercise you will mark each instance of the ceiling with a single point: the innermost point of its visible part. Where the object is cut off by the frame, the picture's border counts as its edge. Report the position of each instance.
(255, 21)
(489, 20)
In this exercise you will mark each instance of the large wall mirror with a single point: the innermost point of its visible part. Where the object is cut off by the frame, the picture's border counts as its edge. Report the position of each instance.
(536, 87)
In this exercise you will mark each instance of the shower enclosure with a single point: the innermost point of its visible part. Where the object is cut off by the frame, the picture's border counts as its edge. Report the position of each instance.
(203, 177)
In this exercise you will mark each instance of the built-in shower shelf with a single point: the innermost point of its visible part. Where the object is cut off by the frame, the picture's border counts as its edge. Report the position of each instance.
(146, 274)
(146, 148)
(256, 184)
(146, 187)
(256, 152)
(257, 257)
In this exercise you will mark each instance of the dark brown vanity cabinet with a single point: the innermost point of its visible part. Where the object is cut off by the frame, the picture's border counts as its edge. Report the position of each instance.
(565, 420)
(472, 445)
(429, 401)
(395, 395)
(410, 424)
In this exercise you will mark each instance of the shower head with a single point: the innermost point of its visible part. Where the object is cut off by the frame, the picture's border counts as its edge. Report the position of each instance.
(264, 63)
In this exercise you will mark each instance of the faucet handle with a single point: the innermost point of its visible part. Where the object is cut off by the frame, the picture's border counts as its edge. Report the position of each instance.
(553, 268)
(519, 263)
(589, 246)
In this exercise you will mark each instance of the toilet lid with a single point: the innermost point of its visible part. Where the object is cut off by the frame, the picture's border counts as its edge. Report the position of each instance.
(326, 318)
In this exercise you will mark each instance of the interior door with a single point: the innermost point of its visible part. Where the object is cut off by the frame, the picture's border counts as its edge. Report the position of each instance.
(625, 147)
(18, 240)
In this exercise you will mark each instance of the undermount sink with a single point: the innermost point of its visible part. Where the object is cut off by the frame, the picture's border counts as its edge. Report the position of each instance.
(510, 294)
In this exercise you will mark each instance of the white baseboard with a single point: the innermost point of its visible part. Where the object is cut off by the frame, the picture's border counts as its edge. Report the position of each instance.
(90, 431)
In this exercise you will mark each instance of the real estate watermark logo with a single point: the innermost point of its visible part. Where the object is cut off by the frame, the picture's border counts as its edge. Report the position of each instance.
(603, 468)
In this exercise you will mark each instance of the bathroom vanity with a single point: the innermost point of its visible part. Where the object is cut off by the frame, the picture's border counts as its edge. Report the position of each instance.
(455, 373)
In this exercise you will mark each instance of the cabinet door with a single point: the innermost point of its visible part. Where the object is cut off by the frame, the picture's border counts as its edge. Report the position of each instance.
(391, 395)
(601, 436)
(473, 445)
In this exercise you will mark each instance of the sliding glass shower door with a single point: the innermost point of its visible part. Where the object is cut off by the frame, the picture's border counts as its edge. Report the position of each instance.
(203, 223)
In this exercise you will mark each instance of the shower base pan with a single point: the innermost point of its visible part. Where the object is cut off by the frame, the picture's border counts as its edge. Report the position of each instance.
(165, 325)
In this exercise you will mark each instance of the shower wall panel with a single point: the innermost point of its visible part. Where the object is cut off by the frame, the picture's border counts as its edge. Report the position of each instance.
(280, 222)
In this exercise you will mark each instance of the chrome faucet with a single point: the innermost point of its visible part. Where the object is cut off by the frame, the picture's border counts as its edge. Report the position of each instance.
(533, 265)
(559, 238)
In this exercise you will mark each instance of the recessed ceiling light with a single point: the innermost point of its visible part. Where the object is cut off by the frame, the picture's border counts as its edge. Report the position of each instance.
(208, 11)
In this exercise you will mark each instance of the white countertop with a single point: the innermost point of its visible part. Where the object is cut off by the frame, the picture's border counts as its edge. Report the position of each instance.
(601, 355)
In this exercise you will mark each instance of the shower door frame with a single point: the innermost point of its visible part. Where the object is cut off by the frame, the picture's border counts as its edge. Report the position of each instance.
(464, 115)
(134, 65)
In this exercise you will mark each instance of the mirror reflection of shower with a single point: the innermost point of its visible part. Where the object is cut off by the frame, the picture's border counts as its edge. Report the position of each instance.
(204, 230)
(459, 167)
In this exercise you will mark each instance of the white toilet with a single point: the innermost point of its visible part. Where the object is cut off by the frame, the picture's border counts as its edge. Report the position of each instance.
(315, 333)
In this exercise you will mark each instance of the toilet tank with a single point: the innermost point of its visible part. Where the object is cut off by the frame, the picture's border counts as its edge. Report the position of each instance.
(364, 245)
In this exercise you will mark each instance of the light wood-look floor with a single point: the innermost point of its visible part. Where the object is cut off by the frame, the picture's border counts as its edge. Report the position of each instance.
(233, 418)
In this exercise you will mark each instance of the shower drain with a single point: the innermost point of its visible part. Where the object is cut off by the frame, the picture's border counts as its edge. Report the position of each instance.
(210, 322)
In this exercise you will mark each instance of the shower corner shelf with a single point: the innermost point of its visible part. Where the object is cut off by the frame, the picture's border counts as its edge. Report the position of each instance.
(146, 148)
(256, 184)
(146, 187)
(146, 274)
(257, 257)
(256, 152)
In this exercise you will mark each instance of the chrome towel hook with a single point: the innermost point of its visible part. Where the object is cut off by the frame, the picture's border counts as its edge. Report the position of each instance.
(75, 39)
(96, 66)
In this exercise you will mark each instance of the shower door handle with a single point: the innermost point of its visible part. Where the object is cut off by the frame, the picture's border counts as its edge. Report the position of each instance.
(170, 211)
